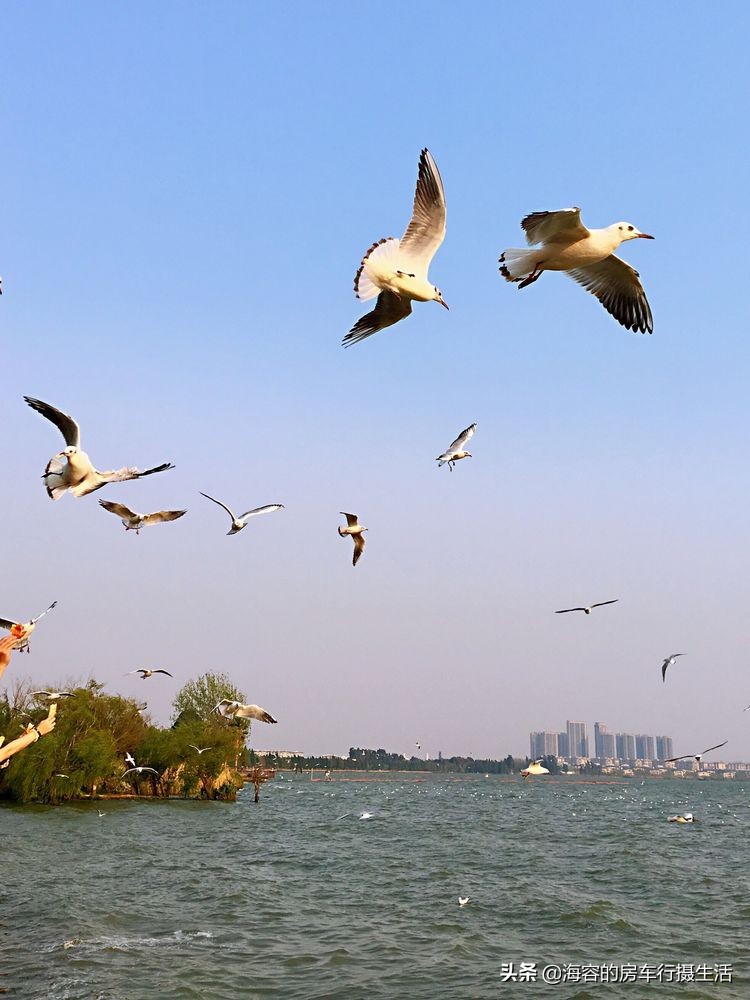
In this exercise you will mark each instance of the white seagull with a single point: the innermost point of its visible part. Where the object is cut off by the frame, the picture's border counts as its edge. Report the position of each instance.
(53, 695)
(78, 474)
(536, 767)
(199, 750)
(133, 521)
(140, 770)
(587, 611)
(129, 758)
(356, 530)
(396, 270)
(456, 451)
(22, 631)
(696, 756)
(463, 900)
(238, 523)
(237, 710)
(669, 662)
(587, 255)
(148, 673)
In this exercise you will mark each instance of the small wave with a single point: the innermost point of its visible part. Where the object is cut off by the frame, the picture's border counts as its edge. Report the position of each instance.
(121, 942)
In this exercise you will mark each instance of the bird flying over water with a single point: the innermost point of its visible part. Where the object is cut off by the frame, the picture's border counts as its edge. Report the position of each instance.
(536, 767)
(356, 530)
(668, 663)
(456, 451)
(696, 756)
(587, 611)
(238, 523)
(396, 270)
(133, 521)
(237, 710)
(22, 631)
(148, 673)
(78, 473)
(587, 256)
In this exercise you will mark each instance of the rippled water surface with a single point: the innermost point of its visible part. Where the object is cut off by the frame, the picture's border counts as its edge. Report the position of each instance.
(299, 898)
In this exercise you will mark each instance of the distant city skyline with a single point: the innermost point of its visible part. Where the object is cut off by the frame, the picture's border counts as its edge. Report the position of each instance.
(573, 744)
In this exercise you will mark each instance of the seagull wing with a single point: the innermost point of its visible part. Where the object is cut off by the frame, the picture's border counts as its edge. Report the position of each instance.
(255, 712)
(219, 503)
(566, 610)
(426, 230)
(461, 440)
(617, 286)
(564, 226)
(5, 623)
(118, 508)
(389, 309)
(716, 747)
(664, 669)
(65, 423)
(359, 548)
(351, 519)
(119, 476)
(262, 510)
(602, 603)
(162, 515)
(160, 671)
(35, 620)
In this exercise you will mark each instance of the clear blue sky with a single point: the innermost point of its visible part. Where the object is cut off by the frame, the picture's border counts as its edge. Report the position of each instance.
(187, 193)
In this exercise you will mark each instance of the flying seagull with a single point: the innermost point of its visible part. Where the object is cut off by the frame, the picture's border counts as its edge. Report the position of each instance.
(148, 673)
(695, 756)
(587, 255)
(536, 767)
(129, 759)
(101, 814)
(238, 523)
(668, 663)
(133, 521)
(237, 710)
(53, 695)
(199, 750)
(23, 631)
(356, 530)
(396, 270)
(456, 451)
(463, 900)
(140, 770)
(587, 611)
(78, 474)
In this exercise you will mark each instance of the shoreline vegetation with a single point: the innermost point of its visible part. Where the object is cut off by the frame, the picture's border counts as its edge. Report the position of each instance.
(84, 757)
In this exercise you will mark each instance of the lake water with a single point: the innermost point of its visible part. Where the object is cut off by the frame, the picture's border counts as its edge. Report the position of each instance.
(287, 899)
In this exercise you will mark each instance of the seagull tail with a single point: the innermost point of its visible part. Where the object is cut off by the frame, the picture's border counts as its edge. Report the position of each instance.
(517, 264)
(380, 260)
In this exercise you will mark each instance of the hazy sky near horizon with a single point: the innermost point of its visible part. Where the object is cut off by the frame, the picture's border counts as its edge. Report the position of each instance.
(187, 194)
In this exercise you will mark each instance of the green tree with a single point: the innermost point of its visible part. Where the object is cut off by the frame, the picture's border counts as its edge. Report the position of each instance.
(197, 699)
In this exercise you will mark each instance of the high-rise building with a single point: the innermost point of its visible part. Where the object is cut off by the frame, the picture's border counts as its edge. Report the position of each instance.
(645, 748)
(543, 744)
(604, 742)
(624, 747)
(563, 750)
(578, 741)
(664, 748)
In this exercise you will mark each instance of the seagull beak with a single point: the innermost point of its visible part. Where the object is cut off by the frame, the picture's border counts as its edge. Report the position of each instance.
(444, 304)
(644, 236)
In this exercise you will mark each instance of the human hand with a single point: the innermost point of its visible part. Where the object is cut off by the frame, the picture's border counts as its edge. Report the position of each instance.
(6, 648)
(48, 724)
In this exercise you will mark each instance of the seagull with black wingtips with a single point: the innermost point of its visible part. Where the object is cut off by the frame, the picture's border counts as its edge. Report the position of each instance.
(356, 530)
(696, 756)
(587, 611)
(669, 662)
(238, 523)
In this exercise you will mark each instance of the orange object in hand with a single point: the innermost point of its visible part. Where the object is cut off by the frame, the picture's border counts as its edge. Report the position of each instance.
(18, 631)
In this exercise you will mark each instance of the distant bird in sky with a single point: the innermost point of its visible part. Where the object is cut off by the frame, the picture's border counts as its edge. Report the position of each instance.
(456, 451)
(53, 695)
(237, 710)
(78, 474)
(536, 767)
(695, 756)
(148, 673)
(22, 631)
(238, 523)
(133, 521)
(587, 256)
(140, 770)
(199, 750)
(396, 270)
(587, 611)
(356, 530)
(463, 900)
(745, 709)
(668, 663)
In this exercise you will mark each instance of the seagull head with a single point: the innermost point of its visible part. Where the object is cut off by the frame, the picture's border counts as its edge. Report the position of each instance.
(627, 231)
(438, 296)
(67, 452)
